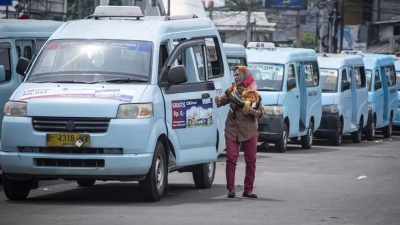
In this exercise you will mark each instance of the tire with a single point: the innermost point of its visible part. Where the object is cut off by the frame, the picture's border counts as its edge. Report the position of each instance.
(86, 182)
(153, 187)
(357, 135)
(370, 131)
(281, 145)
(387, 131)
(203, 175)
(307, 140)
(16, 189)
(337, 139)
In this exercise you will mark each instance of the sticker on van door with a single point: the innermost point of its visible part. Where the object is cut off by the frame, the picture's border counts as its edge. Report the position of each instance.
(191, 113)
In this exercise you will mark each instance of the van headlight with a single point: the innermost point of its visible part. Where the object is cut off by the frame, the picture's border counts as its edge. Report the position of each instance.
(330, 109)
(17, 109)
(273, 110)
(135, 111)
(370, 106)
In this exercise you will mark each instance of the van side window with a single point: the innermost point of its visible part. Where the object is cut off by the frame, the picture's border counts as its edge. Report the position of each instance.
(312, 74)
(391, 77)
(344, 76)
(18, 51)
(40, 43)
(181, 57)
(360, 76)
(28, 52)
(291, 73)
(377, 77)
(162, 57)
(199, 58)
(5, 60)
(214, 58)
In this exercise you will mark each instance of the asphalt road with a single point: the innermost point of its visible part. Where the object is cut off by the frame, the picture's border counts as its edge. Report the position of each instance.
(317, 186)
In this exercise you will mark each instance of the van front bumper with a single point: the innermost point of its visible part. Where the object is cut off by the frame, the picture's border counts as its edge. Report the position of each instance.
(270, 128)
(132, 136)
(328, 126)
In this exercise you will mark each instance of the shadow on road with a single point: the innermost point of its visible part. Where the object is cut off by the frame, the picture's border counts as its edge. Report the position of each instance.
(110, 194)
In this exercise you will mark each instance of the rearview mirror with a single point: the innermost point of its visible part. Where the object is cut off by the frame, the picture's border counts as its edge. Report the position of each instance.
(346, 86)
(177, 75)
(2, 74)
(378, 85)
(22, 65)
(291, 83)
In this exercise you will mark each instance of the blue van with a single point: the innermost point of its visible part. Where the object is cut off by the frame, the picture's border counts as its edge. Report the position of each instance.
(236, 56)
(112, 103)
(288, 82)
(344, 97)
(396, 121)
(382, 94)
(19, 38)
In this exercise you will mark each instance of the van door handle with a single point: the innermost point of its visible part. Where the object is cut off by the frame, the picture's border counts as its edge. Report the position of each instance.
(297, 96)
(205, 95)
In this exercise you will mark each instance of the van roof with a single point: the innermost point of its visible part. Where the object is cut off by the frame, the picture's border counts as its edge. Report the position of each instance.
(12, 28)
(337, 61)
(149, 28)
(372, 61)
(234, 50)
(280, 55)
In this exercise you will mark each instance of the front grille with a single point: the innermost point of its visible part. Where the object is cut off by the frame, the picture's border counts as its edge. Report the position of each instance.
(66, 150)
(87, 125)
(93, 163)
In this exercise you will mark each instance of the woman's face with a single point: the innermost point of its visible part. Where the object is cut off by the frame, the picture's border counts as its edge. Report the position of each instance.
(239, 77)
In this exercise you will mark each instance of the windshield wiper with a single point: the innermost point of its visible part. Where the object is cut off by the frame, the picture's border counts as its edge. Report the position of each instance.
(62, 81)
(122, 80)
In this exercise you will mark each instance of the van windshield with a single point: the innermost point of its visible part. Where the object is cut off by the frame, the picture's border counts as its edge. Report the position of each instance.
(268, 77)
(398, 80)
(233, 62)
(368, 76)
(329, 80)
(86, 61)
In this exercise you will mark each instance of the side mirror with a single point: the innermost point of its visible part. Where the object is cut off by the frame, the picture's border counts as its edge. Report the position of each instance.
(22, 65)
(2, 74)
(177, 75)
(346, 86)
(291, 83)
(378, 85)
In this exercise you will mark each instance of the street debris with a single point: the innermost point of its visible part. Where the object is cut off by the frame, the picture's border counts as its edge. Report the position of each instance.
(362, 177)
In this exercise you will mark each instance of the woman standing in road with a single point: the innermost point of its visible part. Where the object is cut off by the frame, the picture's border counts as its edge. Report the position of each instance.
(241, 127)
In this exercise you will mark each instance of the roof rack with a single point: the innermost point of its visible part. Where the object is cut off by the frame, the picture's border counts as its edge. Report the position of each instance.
(116, 11)
(181, 17)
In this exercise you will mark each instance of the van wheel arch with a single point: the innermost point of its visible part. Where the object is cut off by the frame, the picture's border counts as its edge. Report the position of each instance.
(286, 120)
(167, 145)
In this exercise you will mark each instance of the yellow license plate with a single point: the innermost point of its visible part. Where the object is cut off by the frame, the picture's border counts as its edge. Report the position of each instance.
(68, 140)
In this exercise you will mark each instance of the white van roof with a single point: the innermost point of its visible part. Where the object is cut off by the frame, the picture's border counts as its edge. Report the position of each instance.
(337, 61)
(146, 29)
(280, 55)
(372, 61)
(13, 28)
(234, 50)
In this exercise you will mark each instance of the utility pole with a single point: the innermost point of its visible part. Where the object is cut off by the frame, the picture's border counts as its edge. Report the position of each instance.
(342, 24)
(6, 11)
(248, 39)
(80, 9)
(316, 32)
(298, 40)
(379, 10)
(169, 7)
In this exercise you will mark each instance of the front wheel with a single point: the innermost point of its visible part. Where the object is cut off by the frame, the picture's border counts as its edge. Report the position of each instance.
(153, 187)
(281, 145)
(16, 189)
(370, 132)
(387, 131)
(86, 182)
(307, 140)
(337, 139)
(203, 175)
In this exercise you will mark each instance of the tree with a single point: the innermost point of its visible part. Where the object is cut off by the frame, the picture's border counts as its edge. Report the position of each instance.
(87, 7)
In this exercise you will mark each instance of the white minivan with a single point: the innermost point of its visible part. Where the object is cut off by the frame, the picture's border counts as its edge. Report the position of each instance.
(118, 101)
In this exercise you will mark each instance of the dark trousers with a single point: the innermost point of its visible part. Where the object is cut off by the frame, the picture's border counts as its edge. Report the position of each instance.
(232, 153)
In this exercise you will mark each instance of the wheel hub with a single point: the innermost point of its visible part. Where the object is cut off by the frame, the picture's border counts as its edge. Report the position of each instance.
(159, 171)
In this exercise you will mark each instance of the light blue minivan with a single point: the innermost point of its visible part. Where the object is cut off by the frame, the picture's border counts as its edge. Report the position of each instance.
(236, 56)
(288, 82)
(382, 94)
(118, 101)
(396, 121)
(19, 38)
(344, 97)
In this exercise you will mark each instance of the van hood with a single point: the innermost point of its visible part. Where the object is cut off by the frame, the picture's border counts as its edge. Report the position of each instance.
(269, 97)
(330, 98)
(76, 100)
